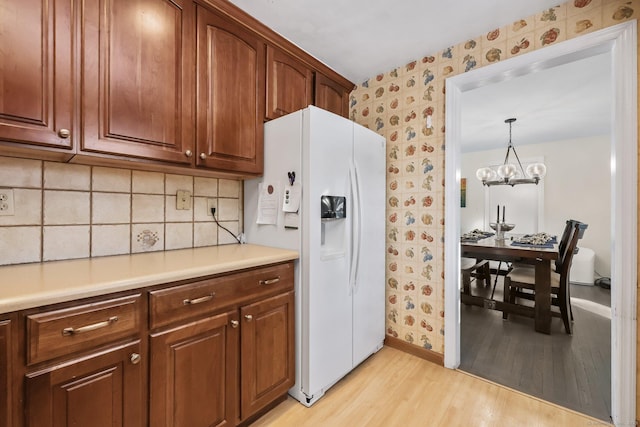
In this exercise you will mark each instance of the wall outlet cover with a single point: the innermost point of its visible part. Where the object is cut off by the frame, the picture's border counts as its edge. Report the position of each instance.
(183, 200)
(6, 202)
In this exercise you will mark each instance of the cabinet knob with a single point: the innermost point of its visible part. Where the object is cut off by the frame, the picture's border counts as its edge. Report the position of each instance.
(188, 153)
(203, 156)
(64, 133)
(234, 323)
(248, 317)
(135, 358)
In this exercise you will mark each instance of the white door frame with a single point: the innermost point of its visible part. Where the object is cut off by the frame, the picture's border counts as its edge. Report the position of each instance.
(621, 41)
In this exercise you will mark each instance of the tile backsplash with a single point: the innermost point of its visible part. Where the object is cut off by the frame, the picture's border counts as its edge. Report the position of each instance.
(65, 211)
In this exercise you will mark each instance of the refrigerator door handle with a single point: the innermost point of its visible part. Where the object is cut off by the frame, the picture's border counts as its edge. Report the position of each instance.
(352, 263)
(357, 224)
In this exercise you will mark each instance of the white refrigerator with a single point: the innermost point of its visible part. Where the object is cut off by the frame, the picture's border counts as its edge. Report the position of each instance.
(336, 220)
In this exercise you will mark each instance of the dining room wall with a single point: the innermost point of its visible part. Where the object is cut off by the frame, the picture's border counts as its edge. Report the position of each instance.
(407, 105)
(577, 186)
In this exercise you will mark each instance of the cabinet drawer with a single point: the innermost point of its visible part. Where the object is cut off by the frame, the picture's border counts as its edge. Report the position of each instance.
(198, 298)
(60, 332)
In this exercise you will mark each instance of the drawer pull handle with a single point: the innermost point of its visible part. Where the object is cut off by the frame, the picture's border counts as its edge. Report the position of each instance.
(248, 317)
(234, 323)
(75, 331)
(269, 281)
(199, 300)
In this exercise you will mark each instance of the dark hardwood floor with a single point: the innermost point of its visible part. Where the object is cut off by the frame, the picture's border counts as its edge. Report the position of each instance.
(570, 370)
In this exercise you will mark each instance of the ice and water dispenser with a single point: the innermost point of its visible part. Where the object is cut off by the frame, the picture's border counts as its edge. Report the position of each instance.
(333, 212)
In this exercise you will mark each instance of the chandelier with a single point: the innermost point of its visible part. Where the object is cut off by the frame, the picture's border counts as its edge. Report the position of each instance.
(508, 173)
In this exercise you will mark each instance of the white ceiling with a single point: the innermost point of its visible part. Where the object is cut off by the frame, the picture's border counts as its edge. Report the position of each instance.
(362, 38)
(569, 101)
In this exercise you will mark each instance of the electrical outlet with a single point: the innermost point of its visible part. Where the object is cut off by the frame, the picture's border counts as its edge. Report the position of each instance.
(211, 203)
(6, 202)
(183, 200)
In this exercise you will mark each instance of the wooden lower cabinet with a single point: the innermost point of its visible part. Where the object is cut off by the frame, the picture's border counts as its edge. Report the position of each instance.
(196, 368)
(221, 349)
(5, 372)
(267, 353)
(193, 373)
(104, 389)
(214, 351)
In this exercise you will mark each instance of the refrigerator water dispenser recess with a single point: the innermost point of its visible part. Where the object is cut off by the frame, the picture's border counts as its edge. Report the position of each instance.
(333, 207)
(332, 230)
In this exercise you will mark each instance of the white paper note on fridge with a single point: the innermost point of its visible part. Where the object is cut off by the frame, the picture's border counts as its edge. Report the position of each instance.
(268, 201)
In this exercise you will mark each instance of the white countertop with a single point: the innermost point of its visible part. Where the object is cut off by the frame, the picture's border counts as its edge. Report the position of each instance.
(32, 285)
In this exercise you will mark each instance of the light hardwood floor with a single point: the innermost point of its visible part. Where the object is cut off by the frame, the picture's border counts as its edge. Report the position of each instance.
(393, 388)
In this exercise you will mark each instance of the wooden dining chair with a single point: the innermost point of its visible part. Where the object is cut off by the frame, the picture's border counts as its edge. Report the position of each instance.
(562, 246)
(474, 269)
(564, 240)
(520, 283)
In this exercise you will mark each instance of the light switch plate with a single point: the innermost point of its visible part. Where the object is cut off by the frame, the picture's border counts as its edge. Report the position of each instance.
(183, 200)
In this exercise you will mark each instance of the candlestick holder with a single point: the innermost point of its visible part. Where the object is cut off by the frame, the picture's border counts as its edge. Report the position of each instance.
(500, 228)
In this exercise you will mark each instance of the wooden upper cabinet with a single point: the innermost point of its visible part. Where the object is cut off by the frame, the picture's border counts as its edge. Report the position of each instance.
(166, 84)
(331, 96)
(289, 84)
(230, 95)
(36, 79)
(137, 77)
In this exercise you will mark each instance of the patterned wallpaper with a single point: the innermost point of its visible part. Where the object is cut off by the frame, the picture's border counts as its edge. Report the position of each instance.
(406, 105)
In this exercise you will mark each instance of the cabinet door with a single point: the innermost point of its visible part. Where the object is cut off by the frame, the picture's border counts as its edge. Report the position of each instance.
(5, 372)
(137, 79)
(101, 390)
(193, 375)
(330, 96)
(230, 95)
(289, 84)
(267, 359)
(36, 82)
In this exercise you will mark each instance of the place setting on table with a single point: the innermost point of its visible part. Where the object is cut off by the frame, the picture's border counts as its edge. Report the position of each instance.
(540, 240)
(537, 240)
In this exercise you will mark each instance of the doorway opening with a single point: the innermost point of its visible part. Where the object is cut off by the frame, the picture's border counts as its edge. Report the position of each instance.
(621, 42)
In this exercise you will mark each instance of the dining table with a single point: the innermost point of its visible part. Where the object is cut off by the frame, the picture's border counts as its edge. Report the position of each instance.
(505, 250)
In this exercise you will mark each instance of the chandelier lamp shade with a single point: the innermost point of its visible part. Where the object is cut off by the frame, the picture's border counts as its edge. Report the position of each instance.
(510, 173)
